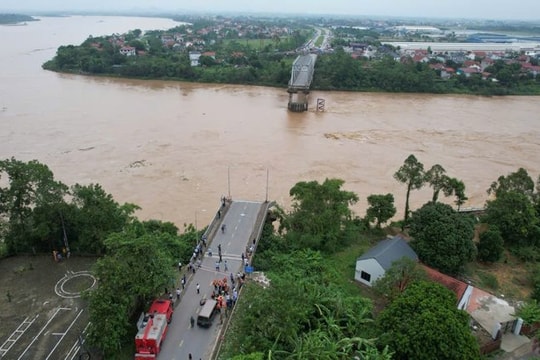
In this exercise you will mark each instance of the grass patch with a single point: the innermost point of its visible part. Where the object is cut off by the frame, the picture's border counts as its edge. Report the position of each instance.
(344, 262)
(488, 281)
(510, 277)
(232, 342)
(256, 44)
(319, 41)
(3, 250)
(340, 269)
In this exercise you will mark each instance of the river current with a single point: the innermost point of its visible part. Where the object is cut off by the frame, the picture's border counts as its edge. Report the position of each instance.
(175, 148)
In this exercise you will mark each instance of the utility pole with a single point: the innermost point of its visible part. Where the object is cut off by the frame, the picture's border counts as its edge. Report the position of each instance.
(66, 245)
(229, 180)
(266, 198)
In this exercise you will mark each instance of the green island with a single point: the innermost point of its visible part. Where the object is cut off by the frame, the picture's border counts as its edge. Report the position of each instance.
(260, 51)
(311, 308)
(15, 19)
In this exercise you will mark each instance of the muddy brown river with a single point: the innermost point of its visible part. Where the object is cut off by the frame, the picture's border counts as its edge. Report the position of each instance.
(175, 148)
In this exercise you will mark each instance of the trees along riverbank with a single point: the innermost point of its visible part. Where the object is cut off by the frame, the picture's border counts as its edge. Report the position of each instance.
(137, 259)
(233, 60)
(312, 308)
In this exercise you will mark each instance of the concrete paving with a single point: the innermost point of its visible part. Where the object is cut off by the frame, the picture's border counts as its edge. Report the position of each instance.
(182, 339)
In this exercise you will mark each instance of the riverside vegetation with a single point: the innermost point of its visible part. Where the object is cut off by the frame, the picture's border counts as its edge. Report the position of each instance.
(312, 309)
(264, 57)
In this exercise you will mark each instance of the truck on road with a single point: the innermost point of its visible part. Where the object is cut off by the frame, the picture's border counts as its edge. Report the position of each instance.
(152, 329)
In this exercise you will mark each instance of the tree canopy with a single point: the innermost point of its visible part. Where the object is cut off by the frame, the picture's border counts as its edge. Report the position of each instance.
(137, 266)
(412, 174)
(31, 196)
(41, 219)
(399, 277)
(515, 216)
(424, 323)
(442, 238)
(381, 209)
(319, 215)
(518, 181)
(436, 177)
(491, 245)
(323, 321)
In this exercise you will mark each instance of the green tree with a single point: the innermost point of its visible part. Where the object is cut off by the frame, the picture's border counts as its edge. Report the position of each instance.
(31, 188)
(399, 277)
(96, 215)
(207, 61)
(381, 209)
(323, 320)
(529, 312)
(515, 216)
(518, 181)
(424, 323)
(411, 173)
(457, 188)
(136, 268)
(535, 279)
(491, 245)
(442, 238)
(436, 177)
(319, 215)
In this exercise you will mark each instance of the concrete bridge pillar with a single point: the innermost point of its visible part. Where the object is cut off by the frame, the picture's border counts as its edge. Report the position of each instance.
(298, 101)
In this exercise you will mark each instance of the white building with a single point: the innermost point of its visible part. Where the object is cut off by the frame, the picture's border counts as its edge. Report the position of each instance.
(373, 264)
(194, 58)
(128, 51)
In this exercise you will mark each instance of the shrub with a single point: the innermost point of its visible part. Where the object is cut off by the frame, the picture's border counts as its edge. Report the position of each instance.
(491, 245)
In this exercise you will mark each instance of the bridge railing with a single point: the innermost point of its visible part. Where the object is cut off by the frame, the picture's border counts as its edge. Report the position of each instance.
(304, 64)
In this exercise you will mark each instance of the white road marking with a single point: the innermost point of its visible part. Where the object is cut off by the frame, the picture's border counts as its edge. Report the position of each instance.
(62, 338)
(16, 335)
(59, 287)
(41, 331)
(77, 345)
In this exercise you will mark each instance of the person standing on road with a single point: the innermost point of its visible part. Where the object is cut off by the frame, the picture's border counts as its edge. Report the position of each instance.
(217, 265)
(226, 267)
(198, 288)
(177, 293)
(183, 283)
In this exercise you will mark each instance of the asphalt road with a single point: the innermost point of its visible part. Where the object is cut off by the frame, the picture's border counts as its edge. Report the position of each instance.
(181, 339)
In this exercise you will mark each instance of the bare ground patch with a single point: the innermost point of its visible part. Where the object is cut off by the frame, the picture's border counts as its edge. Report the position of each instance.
(27, 291)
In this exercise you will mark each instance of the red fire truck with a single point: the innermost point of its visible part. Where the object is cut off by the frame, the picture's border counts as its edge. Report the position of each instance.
(152, 329)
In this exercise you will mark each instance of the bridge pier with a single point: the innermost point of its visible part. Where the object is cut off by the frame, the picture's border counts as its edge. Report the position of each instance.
(298, 101)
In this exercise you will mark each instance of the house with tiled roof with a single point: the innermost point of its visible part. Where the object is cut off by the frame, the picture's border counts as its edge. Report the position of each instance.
(374, 263)
(468, 71)
(462, 290)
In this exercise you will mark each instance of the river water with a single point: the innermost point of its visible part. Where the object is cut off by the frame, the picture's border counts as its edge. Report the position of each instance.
(175, 148)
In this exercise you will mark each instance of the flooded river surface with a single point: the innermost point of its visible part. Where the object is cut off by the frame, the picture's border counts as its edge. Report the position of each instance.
(175, 148)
